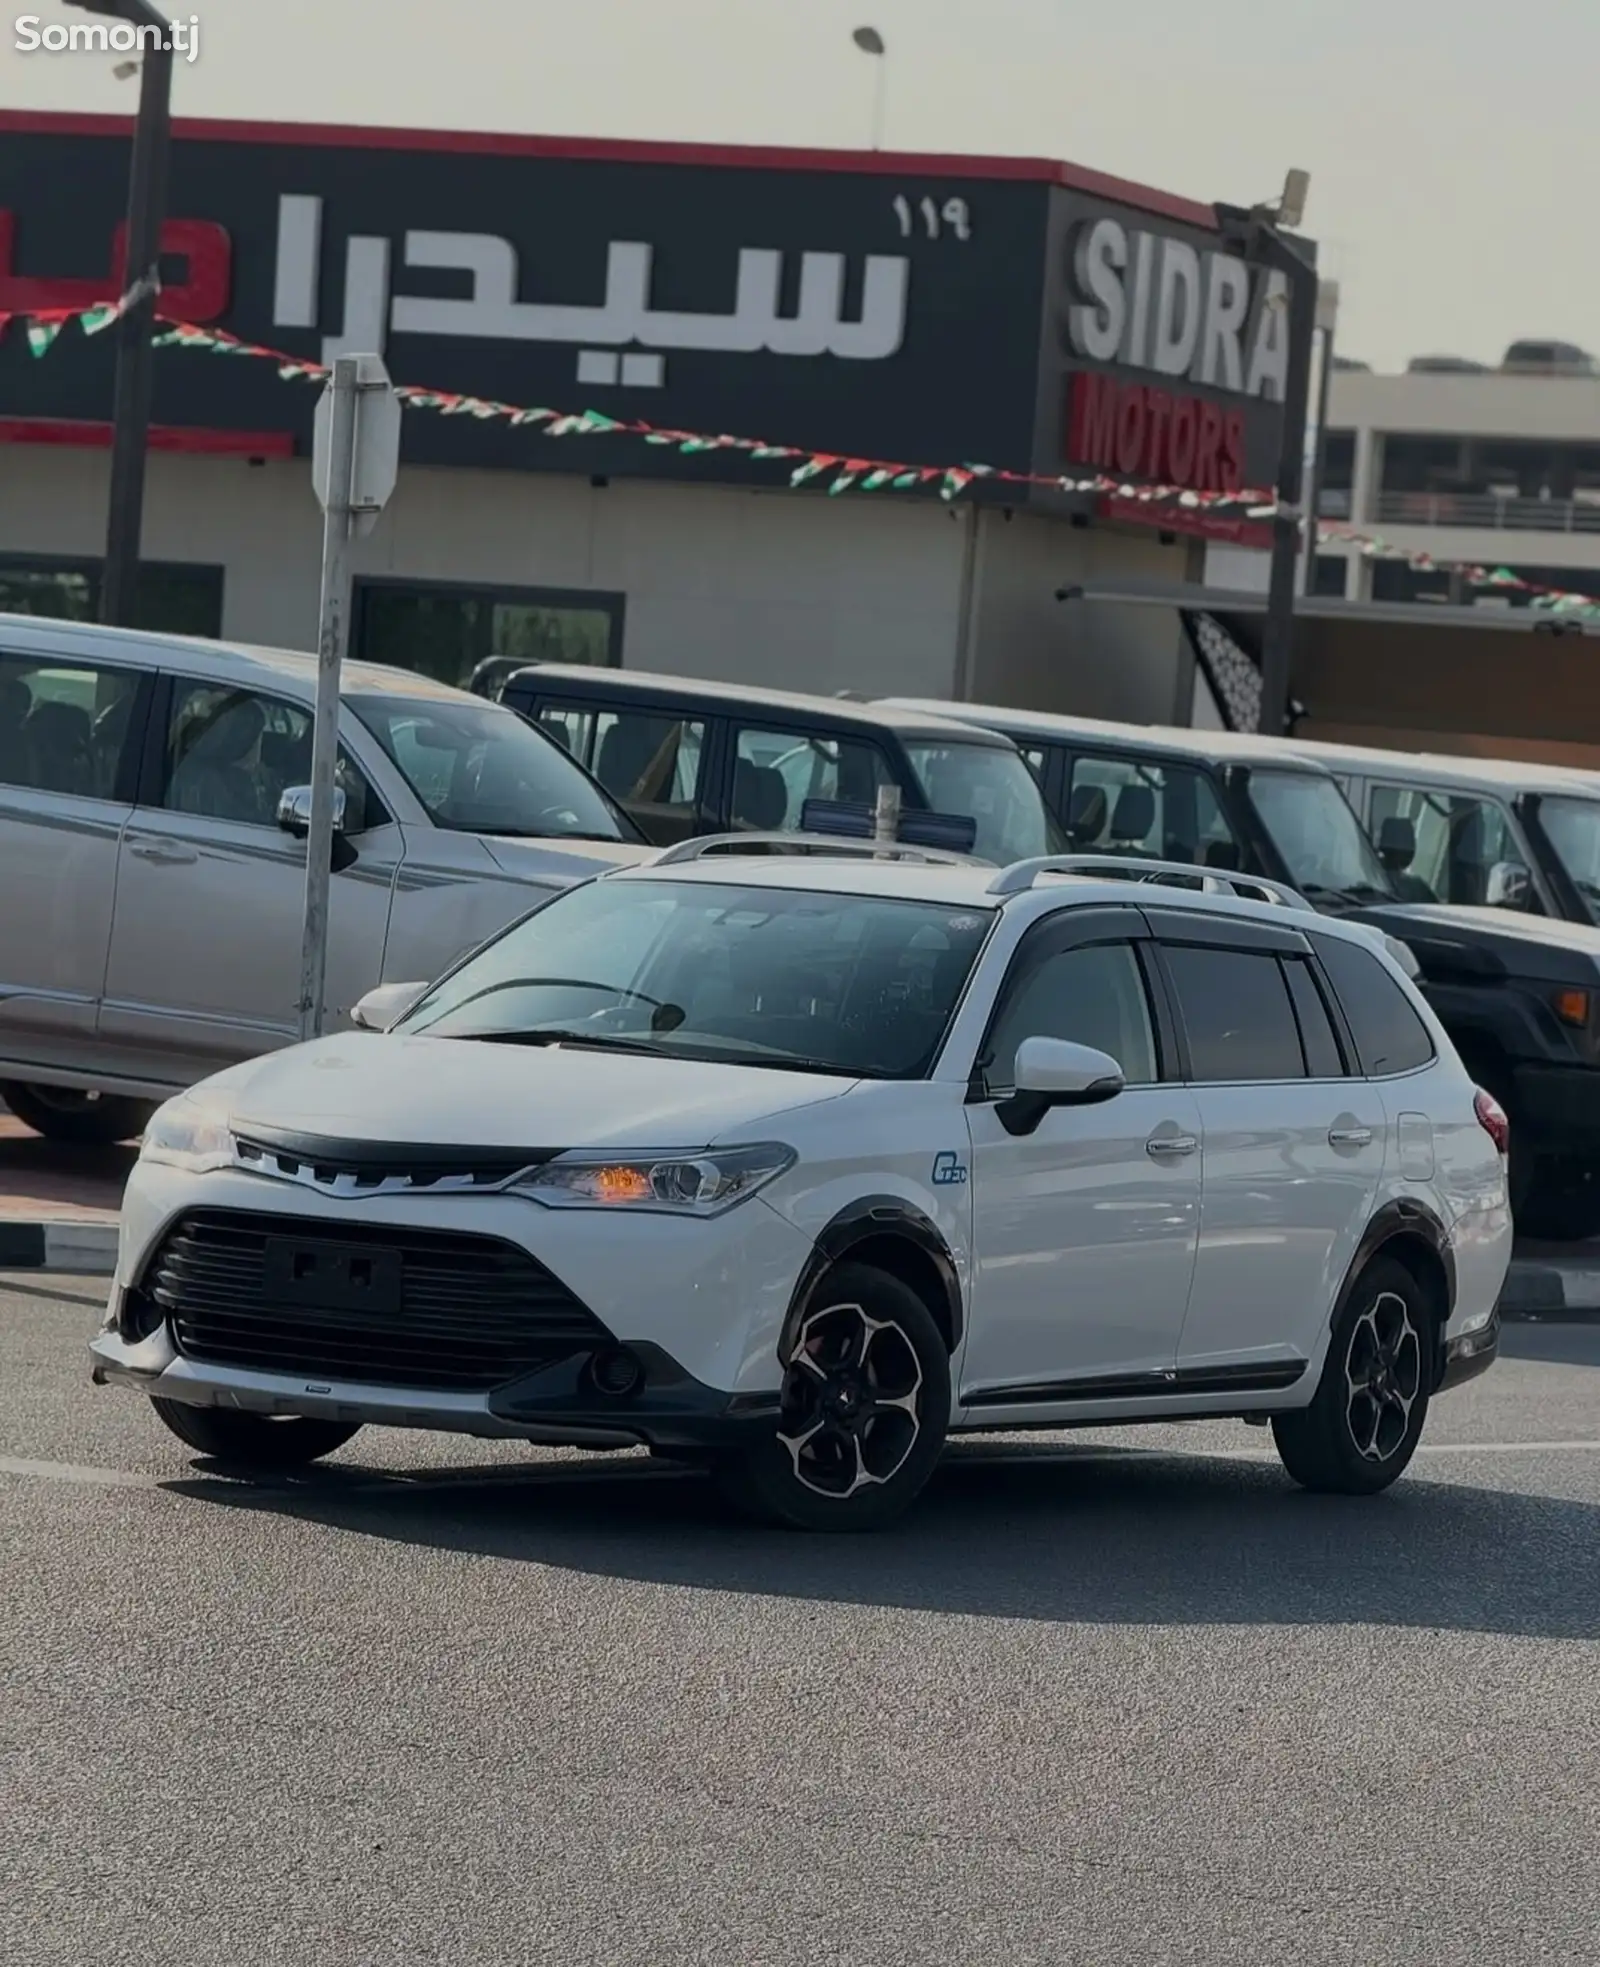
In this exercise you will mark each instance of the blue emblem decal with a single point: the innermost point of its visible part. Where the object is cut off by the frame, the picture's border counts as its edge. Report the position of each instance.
(948, 1172)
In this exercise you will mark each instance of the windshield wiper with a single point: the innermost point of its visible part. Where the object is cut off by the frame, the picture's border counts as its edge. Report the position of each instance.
(540, 1035)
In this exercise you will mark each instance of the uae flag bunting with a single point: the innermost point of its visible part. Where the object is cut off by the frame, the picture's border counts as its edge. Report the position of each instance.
(827, 470)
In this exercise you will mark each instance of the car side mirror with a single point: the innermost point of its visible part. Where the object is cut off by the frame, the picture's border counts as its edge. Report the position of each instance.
(1509, 885)
(294, 810)
(1055, 1072)
(385, 1005)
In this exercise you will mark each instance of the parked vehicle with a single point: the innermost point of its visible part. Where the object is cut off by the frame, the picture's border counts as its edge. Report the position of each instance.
(154, 804)
(1520, 995)
(1483, 832)
(796, 1165)
(688, 757)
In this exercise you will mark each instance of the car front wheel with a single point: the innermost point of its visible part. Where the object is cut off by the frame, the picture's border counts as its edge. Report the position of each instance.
(84, 1119)
(864, 1411)
(1367, 1414)
(253, 1440)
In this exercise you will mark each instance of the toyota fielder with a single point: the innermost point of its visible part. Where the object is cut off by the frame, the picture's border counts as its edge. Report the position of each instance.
(796, 1165)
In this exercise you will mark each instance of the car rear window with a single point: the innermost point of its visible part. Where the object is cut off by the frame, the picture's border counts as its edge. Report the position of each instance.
(1389, 1035)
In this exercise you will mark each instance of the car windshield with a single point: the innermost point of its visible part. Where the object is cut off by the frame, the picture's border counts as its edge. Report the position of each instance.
(1572, 826)
(777, 977)
(480, 769)
(1318, 837)
(992, 785)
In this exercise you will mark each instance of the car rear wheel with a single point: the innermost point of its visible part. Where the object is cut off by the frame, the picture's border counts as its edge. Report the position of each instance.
(254, 1440)
(1367, 1414)
(864, 1412)
(68, 1113)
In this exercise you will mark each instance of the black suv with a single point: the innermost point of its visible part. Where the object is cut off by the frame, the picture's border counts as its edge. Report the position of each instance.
(687, 758)
(1519, 993)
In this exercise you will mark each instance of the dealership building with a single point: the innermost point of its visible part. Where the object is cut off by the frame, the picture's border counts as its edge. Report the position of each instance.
(920, 310)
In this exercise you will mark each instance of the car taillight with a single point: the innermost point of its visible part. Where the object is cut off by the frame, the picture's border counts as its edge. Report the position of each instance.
(1492, 1119)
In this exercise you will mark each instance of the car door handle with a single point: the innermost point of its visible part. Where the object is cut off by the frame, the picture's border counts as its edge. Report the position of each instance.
(163, 853)
(1171, 1144)
(1349, 1137)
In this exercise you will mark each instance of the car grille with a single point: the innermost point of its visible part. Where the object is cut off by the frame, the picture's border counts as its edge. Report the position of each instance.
(474, 1312)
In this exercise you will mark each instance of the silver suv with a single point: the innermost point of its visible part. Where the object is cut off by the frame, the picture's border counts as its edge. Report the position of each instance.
(153, 812)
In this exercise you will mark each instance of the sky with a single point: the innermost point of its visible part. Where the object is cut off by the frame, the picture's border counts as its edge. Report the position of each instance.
(1453, 145)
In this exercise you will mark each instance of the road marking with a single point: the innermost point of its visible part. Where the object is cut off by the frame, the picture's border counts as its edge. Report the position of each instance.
(94, 1478)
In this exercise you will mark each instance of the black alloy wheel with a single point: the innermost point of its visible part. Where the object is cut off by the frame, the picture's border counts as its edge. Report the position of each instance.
(864, 1409)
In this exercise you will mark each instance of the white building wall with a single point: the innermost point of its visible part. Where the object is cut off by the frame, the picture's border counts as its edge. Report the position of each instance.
(803, 593)
(1093, 659)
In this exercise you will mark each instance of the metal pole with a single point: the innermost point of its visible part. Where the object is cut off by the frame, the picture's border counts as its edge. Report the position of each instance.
(147, 197)
(331, 631)
(1319, 463)
(886, 816)
(1277, 648)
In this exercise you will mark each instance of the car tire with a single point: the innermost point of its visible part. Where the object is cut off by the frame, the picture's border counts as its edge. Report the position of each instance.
(253, 1440)
(82, 1119)
(865, 1409)
(1366, 1417)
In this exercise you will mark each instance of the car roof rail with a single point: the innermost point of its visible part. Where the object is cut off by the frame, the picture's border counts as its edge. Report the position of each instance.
(840, 848)
(1022, 875)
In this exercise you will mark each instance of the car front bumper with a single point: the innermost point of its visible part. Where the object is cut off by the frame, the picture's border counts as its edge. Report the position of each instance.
(699, 1304)
(557, 1406)
(1558, 1108)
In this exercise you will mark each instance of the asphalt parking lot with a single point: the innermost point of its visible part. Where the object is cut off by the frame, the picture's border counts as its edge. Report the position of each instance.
(1117, 1698)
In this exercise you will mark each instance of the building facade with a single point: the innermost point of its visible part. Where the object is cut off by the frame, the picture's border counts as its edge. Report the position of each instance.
(920, 310)
(1496, 468)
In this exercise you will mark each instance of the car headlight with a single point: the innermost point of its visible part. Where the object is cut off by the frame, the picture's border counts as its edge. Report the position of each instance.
(184, 1134)
(688, 1184)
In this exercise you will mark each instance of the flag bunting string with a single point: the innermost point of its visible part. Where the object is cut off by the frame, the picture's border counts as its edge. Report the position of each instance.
(834, 472)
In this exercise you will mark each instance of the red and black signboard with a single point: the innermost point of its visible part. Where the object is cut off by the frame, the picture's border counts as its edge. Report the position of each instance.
(874, 305)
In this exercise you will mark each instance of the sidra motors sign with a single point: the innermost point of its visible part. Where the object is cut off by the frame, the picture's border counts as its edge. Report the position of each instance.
(1190, 347)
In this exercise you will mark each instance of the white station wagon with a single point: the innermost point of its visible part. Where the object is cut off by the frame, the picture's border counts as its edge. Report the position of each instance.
(154, 806)
(798, 1164)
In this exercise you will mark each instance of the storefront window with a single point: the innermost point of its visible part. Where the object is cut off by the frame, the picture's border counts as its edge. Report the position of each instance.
(450, 633)
(170, 598)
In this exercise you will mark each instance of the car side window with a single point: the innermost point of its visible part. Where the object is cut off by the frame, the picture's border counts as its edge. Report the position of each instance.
(1092, 995)
(231, 755)
(775, 772)
(650, 762)
(572, 729)
(1323, 1055)
(1389, 1035)
(1237, 1012)
(1440, 845)
(1133, 806)
(64, 726)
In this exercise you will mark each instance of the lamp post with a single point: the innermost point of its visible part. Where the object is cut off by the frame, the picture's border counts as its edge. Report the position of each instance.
(871, 42)
(1327, 328)
(1262, 234)
(147, 195)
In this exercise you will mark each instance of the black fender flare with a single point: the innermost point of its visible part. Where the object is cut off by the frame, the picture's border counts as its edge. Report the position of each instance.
(1402, 1216)
(869, 1219)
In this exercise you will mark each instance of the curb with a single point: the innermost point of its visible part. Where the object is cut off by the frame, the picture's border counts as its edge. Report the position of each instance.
(90, 1249)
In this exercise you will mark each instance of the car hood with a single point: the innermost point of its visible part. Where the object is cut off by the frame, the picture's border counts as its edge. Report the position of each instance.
(454, 1092)
(541, 861)
(1504, 925)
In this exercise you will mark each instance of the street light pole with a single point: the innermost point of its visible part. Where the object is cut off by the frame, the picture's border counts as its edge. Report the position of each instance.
(1257, 230)
(130, 415)
(1327, 328)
